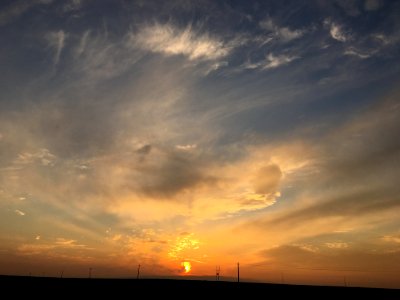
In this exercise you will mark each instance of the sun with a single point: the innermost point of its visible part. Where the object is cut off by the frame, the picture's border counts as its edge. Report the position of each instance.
(187, 266)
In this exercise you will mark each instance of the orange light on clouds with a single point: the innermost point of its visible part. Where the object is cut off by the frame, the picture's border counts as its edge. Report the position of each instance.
(187, 266)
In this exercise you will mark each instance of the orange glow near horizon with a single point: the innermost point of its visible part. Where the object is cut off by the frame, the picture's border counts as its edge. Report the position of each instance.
(187, 266)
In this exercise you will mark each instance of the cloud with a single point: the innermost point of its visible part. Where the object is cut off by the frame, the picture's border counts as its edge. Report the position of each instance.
(267, 179)
(336, 31)
(19, 212)
(343, 206)
(332, 259)
(72, 5)
(337, 245)
(144, 149)
(18, 8)
(353, 52)
(277, 61)
(371, 5)
(383, 39)
(83, 43)
(349, 181)
(66, 243)
(307, 247)
(186, 147)
(170, 40)
(183, 247)
(270, 62)
(167, 173)
(96, 57)
(391, 239)
(56, 41)
(283, 33)
(42, 156)
(58, 248)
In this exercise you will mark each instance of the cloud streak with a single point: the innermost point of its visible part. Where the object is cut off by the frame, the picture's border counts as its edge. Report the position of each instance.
(282, 33)
(170, 40)
(56, 41)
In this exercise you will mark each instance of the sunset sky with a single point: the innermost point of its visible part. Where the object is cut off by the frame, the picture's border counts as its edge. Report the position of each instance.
(185, 135)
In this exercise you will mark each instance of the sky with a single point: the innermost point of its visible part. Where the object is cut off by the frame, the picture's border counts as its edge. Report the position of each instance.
(185, 135)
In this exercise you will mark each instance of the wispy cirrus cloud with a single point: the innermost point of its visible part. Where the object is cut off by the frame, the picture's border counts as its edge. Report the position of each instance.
(283, 33)
(354, 52)
(278, 60)
(56, 41)
(170, 40)
(271, 62)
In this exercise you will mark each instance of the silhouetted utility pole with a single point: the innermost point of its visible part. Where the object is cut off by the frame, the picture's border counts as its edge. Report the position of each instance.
(138, 272)
(217, 270)
(90, 272)
(238, 272)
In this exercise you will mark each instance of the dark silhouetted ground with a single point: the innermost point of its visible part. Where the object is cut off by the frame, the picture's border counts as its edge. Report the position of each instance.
(59, 288)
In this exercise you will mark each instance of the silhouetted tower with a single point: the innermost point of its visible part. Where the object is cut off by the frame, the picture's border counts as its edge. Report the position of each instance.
(238, 272)
(138, 272)
(62, 273)
(90, 273)
(217, 270)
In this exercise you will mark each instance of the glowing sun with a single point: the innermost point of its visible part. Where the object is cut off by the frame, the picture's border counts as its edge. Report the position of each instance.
(187, 266)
